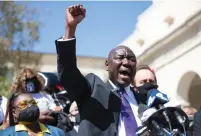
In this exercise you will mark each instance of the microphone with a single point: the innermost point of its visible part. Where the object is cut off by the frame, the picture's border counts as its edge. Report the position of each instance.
(144, 112)
(172, 104)
(156, 98)
(151, 127)
(181, 120)
(142, 131)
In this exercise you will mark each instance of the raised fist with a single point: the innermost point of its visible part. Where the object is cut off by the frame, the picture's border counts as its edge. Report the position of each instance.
(74, 15)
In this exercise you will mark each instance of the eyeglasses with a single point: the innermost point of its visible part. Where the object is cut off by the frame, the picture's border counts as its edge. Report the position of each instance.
(25, 104)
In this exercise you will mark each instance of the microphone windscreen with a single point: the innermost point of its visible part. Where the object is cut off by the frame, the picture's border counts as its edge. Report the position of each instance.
(155, 98)
(142, 108)
(146, 114)
(172, 104)
(142, 131)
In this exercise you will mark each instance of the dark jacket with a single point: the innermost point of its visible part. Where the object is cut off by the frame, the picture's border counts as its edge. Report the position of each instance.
(197, 123)
(98, 103)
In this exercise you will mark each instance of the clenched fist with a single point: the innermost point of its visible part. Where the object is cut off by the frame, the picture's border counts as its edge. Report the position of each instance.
(74, 15)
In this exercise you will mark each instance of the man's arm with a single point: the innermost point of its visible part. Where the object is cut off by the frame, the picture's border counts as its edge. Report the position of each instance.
(71, 78)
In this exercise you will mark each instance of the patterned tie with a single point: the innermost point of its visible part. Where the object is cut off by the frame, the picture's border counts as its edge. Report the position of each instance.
(127, 114)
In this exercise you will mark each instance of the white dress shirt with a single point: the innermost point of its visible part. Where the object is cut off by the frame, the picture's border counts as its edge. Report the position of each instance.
(134, 106)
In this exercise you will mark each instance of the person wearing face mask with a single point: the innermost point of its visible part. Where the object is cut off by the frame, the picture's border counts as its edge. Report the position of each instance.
(144, 80)
(28, 81)
(23, 114)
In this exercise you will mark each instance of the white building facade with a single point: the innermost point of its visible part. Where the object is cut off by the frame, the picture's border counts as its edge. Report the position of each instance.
(168, 39)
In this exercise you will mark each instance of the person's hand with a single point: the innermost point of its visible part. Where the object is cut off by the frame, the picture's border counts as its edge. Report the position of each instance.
(45, 112)
(45, 118)
(74, 15)
(73, 109)
(58, 108)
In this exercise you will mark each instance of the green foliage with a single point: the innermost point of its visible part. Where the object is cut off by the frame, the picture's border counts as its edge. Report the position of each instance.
(19, 31)
(4, 86)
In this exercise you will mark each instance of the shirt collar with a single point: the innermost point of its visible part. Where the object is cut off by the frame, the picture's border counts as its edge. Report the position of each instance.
(127, 88)
(22, 127)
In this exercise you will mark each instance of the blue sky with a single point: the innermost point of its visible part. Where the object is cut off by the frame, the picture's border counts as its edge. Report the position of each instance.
(106, 24)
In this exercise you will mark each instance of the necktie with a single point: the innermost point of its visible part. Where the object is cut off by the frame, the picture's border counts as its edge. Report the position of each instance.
(127, 114)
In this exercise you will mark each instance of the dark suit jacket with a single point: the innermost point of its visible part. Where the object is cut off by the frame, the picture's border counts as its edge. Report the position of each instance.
(197, 123)
(98, 105)
(11, 132)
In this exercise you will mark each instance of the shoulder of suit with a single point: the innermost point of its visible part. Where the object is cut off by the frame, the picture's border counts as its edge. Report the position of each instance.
(92, 76)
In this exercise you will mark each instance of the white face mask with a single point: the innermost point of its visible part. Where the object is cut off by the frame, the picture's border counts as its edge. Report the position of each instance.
(30, 87)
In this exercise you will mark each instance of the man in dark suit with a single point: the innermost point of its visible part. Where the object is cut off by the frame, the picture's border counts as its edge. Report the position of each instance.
(106, 109)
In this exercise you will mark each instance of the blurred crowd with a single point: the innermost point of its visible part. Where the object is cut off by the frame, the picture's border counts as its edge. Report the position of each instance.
(38, 97)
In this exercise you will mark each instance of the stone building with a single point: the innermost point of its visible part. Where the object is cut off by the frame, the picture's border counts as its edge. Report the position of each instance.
(168, 38)
(48, 63)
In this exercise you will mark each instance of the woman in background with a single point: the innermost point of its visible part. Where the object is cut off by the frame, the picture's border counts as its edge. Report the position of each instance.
(28, 81)
(23, 114)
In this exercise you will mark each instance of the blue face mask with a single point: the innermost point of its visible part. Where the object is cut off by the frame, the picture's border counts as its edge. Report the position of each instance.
(30, 87)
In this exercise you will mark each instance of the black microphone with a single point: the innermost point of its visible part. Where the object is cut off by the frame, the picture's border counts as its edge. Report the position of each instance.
(181, 120)
(144, 112)
(142, 131)
(159, 130)
(156, 99)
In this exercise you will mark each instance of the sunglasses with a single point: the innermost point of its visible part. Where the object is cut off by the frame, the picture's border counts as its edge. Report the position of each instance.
(25, 104)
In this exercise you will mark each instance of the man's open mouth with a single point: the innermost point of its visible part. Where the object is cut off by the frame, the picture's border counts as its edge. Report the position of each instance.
(125, 73)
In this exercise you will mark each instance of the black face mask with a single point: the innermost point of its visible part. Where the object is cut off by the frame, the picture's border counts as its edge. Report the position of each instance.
(30, 114)
(143, 90)
(146, 87)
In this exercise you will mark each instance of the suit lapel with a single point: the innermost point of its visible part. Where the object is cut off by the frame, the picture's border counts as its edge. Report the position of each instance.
(116, 114)
(135, 95)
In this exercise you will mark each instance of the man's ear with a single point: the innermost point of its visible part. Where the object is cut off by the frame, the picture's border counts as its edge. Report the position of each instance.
(106, 65)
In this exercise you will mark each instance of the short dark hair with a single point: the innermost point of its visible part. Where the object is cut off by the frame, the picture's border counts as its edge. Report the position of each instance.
(140, 67)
